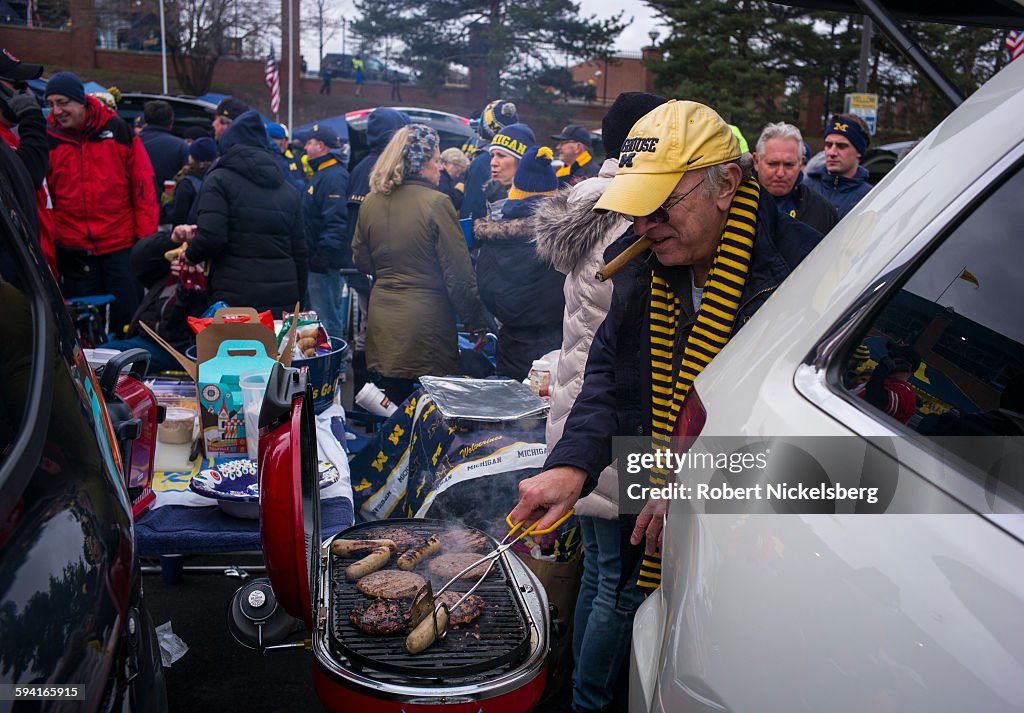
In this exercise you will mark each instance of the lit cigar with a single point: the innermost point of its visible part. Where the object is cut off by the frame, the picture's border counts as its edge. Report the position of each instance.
(642, 243)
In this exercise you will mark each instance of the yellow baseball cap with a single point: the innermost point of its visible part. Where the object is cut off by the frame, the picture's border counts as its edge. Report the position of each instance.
(674, 138)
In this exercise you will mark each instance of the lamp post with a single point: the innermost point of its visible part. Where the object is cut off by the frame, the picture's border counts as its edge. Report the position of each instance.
(163, 45)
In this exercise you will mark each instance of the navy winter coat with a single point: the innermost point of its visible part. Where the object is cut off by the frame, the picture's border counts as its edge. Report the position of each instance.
(843, 193)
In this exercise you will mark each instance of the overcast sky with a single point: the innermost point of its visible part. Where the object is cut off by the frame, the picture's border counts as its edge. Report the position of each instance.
(632, 38)
(636, 35)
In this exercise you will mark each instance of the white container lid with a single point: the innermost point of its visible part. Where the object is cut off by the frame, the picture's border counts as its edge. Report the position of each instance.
(542, 364)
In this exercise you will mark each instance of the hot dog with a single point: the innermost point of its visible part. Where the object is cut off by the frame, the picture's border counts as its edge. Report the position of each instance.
(410, 558)
(423, 635)
(344, 548)
(371, 563)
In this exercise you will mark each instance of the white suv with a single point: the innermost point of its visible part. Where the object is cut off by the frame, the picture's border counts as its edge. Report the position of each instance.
(870, 612)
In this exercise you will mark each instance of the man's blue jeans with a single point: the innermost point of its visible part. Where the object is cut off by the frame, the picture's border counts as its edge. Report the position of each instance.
(601, 630)
(325, 291)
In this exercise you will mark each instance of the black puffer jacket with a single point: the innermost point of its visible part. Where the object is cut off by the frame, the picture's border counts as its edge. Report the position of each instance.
(522, 291)
(250, 225)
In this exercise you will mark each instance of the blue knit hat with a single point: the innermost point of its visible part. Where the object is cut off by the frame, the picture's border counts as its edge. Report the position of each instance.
(513, 140)
(276, 131)
(534, 175)
(203, 149)
(841, 124)
(66, 84)
(496, 116)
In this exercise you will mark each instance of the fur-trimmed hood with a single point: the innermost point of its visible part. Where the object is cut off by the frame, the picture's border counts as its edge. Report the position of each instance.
(567, 228)
(511, 230)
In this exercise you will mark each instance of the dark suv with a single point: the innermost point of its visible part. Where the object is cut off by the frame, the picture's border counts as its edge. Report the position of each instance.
(188, 111)
(340, 66)
(453, 130)
(72, 614)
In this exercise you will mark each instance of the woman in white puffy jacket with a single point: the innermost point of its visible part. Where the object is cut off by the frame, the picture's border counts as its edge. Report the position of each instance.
(573, 238)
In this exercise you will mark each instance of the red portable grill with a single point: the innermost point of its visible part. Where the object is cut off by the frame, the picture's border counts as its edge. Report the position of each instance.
(496, 664)
(134, 415)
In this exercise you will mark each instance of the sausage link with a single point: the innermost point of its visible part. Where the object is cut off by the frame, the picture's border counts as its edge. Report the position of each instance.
(423, 635)
(344, 548)
(410, 558)
(371, 563)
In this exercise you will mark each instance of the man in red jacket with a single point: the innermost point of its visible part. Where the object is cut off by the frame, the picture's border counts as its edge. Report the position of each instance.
(101, 182)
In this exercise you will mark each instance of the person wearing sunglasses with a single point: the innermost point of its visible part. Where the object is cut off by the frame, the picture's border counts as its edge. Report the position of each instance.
(720, 248)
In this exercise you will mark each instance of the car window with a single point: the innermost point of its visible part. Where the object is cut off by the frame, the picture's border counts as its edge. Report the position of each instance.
(945, 355)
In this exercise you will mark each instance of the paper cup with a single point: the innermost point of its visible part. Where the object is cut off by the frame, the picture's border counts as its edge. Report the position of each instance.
(375, 401)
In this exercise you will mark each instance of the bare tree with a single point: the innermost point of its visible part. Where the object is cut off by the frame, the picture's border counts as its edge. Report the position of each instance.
(324, 17)
(201, 32)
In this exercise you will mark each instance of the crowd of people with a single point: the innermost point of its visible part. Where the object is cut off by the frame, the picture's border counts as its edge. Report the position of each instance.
(253, 218)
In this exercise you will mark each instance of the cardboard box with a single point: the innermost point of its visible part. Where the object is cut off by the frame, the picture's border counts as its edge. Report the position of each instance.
(236, 335)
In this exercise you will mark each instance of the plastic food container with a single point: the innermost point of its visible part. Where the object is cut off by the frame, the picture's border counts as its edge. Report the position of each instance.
(178, 427)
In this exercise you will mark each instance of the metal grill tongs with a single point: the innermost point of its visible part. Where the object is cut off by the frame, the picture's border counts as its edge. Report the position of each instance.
(425, 605)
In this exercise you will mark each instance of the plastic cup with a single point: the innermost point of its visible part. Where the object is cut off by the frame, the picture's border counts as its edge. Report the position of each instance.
(171, 568)
(254, 386)
(375, 401)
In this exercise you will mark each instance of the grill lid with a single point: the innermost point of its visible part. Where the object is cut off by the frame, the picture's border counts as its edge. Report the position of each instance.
(290, 492)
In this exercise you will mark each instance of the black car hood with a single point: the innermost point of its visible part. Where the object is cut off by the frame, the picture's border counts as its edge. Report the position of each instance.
(986, 13)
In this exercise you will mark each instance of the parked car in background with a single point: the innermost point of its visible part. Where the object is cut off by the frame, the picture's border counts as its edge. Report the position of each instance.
(453, 130)
(374, 70)
(776, 607)
(188, 111)
(877, 160)
(72, 611)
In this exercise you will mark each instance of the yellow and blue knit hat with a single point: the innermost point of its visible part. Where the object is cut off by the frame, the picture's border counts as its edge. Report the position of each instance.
(514, 139)
(534, 175)
(496, 116)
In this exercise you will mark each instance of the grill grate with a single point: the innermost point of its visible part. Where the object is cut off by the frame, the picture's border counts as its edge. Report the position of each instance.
(504, 637)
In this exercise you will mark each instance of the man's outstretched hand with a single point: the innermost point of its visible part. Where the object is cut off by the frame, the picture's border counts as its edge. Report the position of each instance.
(544, 498)
(649, 524)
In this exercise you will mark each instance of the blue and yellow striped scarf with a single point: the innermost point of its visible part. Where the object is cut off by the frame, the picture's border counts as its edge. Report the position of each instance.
(714, 325)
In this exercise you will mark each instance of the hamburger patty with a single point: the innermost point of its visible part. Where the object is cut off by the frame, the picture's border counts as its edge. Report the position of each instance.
(403, 539)
(465, 541)
(469, 610)
(446, 566)
(382, 617)
(390, 584)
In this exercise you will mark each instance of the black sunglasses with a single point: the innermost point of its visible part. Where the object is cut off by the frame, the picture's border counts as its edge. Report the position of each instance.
(660, 214)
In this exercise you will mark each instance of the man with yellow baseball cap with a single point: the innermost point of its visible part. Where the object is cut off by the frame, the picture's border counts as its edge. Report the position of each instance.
(719, 248)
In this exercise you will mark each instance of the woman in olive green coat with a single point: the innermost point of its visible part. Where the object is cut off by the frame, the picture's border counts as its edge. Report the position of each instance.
(408, 238)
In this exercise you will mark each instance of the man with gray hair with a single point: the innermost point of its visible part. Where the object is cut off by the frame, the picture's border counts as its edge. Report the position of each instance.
(779, 164)
(717, 248)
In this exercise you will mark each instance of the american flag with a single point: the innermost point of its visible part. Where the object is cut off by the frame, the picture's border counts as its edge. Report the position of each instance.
(274, 82)
(1015, 44)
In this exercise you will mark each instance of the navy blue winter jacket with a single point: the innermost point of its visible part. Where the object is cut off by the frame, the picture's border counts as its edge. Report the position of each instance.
(843, 193)
(325, 214)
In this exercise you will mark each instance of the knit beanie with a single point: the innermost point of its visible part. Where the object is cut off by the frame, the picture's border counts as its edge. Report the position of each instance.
(420, 144)
(276, 131)
(534, 175)
(624, 112)
(496, 116)
(203, 149)
(513, 140)
(66, 84)
(843, 125)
